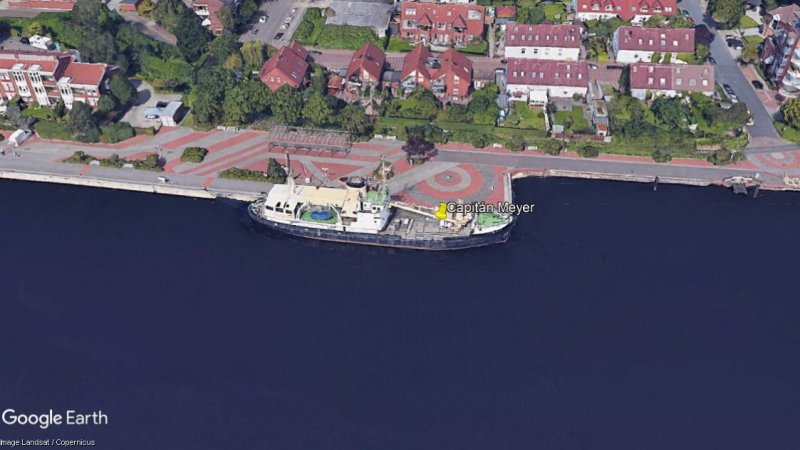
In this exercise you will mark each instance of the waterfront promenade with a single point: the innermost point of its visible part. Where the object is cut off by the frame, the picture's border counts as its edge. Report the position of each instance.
(458, 171)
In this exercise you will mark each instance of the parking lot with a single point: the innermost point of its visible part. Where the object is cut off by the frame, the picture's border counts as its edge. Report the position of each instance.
(276, 11)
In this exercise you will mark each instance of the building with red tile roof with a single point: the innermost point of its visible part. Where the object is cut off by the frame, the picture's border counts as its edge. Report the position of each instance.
(43, 77)
(441, 24)
(287, 66)
(208, 10)
(448, 76)
(633, 44)
(555, 78)
(366, 67)
(670, 79)
(637, 11)
(44, 5)
(505, 12)
(543, 41)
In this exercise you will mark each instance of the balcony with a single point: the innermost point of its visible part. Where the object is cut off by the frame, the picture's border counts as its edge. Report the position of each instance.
(792, 78)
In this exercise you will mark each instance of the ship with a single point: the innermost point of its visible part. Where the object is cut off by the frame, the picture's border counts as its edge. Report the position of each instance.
(363, 212)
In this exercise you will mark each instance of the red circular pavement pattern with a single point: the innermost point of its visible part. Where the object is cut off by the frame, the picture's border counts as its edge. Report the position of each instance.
(476, 181)
(781, 160)
(448, 178)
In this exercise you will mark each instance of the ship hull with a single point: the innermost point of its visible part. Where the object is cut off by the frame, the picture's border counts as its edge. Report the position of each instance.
(387, 240)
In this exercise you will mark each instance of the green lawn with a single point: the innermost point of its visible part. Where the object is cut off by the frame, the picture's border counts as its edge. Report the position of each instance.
(346, 37)
(755, 39)
(555, 12)
(524, 117)
(475, 49)
(398, 45)
(308, 31)
(747, 22)
(788, 132)
(572, 120)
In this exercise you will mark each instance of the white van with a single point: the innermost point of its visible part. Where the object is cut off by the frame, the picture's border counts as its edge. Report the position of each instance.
(19, 136)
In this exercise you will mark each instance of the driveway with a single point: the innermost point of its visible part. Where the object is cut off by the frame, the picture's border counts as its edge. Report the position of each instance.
(276, 12)
(146, 97)
(728, 72)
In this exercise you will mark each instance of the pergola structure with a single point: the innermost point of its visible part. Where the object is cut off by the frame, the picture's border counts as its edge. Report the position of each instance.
(308, 139)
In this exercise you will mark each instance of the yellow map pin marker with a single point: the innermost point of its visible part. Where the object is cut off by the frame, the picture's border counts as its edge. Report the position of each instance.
(441, 213)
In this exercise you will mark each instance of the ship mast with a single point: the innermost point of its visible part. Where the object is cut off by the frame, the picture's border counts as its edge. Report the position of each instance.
(289, 174)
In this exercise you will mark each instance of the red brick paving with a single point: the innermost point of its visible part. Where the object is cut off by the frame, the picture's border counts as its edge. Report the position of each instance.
(223, 159)
(84, 170)
(792, 161)
(246, 136)
(335, 170)
(442, 178)
(182, 141)
(138, 156)
(476, 181)
(241, 157)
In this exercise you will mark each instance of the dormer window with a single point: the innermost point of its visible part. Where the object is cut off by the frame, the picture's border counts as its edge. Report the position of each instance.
(411, 11)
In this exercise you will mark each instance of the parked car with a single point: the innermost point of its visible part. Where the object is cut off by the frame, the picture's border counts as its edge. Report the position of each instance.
(735, 44)
(727, 88)
(711, 60)
(24, 40)
(284, 26)
(593, 66)
(278, 36)
(262, 19)
(294, 10)
(288, 19)
(757, 84)
(253, 31)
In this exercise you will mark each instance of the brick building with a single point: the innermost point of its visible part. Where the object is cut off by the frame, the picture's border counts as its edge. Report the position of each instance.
(287, 66)
(670, 79)
(441, 24)
(543, 41)
(43, 77)
(448, 76)
(634, 44)
(637, 11)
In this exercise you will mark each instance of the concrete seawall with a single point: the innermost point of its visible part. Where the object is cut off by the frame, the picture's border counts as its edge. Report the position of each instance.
(167, 189)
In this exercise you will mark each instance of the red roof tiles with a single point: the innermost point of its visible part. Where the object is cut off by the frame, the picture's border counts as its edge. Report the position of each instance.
(541, 72)
(672, 77)
(627, 9)
(85, 73)
(287, 66)
(447, 14)
(369, 59)
(543, 35)
(679, 40)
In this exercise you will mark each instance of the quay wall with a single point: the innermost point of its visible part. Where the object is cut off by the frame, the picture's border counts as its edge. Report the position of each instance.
(166, 188)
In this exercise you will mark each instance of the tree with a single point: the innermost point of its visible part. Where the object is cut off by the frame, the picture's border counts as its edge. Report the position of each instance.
(287, 105)
(106, 104)
(588, 151)
(483, 106)
(318, 110)
(93, 15)
(791, 112)
(192, 36)
(353, 119)
(750, 53)
(233, 63)
(516, 143)
(417, 148)
(226, 16)
(145, 8)
(224, 46)
(671, 111)
(117, 132)
(254, 54)
(625, 80)
(276, 174)
(235, 107)
(35, 28)
(245, 10)
(661, 156)
(82, 123)
(553, 147)
(169, 12)
(701, 52)
(726, 12)
(122, 89)
(208, 94)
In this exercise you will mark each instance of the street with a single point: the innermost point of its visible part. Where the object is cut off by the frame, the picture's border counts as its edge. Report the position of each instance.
(276, 11)
(728, 72)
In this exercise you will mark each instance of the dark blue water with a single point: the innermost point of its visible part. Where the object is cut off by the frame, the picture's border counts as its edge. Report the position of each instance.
(615, 318)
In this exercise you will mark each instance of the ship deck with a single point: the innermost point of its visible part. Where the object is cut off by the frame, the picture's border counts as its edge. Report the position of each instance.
(409, 225)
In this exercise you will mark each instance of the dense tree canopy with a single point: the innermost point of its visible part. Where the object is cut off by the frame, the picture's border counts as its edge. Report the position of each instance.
(192, 36)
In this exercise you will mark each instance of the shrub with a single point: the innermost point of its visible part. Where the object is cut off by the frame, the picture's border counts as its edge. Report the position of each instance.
(47, 129)
(661, 156)
(553, 147)
(117, 132)
(516, 143)
(194, 154)
(79, 157)
(150, 162)
(587, 151)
